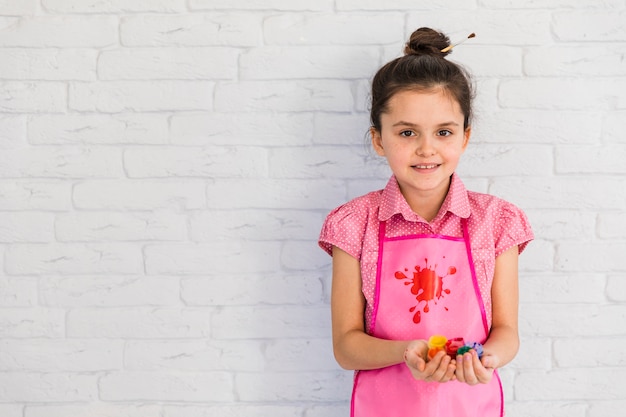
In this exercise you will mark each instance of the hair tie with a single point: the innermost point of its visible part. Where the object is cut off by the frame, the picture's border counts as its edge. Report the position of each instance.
(449, 47)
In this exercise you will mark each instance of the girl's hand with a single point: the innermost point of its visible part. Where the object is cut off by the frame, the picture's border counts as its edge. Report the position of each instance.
(440, 368)
(472, 370)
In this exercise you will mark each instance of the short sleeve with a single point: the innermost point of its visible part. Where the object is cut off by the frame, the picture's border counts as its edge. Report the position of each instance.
(344, 227)
(512, 229)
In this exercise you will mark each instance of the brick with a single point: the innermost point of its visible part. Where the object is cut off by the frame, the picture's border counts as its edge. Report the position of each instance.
(118, 96)
(605, 159)
(54, 162)
(103, 129)
(153, 386)
(194, 356)
(301, 289)
(34, 195)
(212, 29)
(280, 63)
(592, 384)
(12, 131)
(60, 355)
(48, 64)
(326, 162)
(360, 5)
(192, 259)
(73, 259)
(31, 323)
(537, 257)
(538, 4)
(24, 7)
(207, 226)
(290, 387)
(60, 31)
(591, 256)
(168, 64)
(585, 193)
(542, 408)
(536, 126)
(313, 355)
(316, 95)
(616, 288)
(534, 353)
(138, 323)
(33, 97)
(275, 194)
(25, 227)
(283, 5)
(268, 129)
(562, 224)
(492, 27)
(323, 29)
(563, 94)
(238, 409)
(138, 195)
(18, 292)
(118, 226)
(36, 387)
(210, 162)
(113, 6)
(95, 409)
(479, 60)
(590, 25)
(571, 288)
(571, 320)
(299, 256)
(343, 129)
(109, 291)
(614, 125)
(584, 353)
(270, 322)
(11, 410)
(336, 409)
(604, 408)
(572, 61)
(516, 160)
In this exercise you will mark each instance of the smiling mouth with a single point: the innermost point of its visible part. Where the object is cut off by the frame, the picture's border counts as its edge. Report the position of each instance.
(426, 166)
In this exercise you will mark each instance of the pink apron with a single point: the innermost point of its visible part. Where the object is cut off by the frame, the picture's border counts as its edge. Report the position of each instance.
(425, 285)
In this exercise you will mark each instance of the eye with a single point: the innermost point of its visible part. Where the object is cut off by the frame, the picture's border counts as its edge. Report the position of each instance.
(444, 132)
(407, 133)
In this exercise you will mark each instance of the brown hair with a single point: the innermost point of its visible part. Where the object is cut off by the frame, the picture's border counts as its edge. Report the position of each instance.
(422, 68)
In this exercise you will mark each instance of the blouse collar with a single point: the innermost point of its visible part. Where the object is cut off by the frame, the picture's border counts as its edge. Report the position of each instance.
(393, 202)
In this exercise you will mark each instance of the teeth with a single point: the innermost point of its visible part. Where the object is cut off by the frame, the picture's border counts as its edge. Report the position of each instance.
(426, 166)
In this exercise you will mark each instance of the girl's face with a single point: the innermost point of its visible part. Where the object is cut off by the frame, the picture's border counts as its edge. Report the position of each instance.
(422, 137)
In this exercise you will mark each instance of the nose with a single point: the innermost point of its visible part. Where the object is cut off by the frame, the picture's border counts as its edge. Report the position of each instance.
(426, 147)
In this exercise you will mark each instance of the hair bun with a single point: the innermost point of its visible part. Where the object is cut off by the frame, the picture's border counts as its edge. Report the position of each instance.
(427, 41)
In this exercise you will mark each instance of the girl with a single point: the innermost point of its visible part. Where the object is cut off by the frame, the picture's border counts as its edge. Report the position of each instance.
(424, 256)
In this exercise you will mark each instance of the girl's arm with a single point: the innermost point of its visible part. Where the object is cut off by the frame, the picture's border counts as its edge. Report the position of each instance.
(355, 349)
(503, 341)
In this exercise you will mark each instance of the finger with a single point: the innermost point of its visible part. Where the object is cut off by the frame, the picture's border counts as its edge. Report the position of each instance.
(460, 374)
(442, 369)
(449, 375)
(468, 369)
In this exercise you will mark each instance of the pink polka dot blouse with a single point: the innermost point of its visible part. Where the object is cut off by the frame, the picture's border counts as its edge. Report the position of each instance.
(494, 226)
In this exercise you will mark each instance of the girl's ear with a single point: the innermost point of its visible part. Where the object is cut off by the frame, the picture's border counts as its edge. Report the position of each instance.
(377, 141)
(466, 138)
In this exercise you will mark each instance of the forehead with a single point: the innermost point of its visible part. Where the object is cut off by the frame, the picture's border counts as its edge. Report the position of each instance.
(430, 106)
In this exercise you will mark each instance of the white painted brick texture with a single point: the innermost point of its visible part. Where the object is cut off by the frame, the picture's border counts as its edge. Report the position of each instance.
(166, 165)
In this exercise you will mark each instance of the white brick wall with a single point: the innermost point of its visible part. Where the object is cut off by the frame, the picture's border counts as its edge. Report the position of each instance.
(165, 167)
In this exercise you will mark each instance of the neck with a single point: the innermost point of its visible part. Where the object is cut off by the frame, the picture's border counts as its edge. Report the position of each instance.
(426, 204)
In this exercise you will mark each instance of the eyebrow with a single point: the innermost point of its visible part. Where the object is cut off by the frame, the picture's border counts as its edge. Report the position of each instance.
(403, 123)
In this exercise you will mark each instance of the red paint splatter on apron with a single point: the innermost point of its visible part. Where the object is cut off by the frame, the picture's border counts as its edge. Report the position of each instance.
(426, 285)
